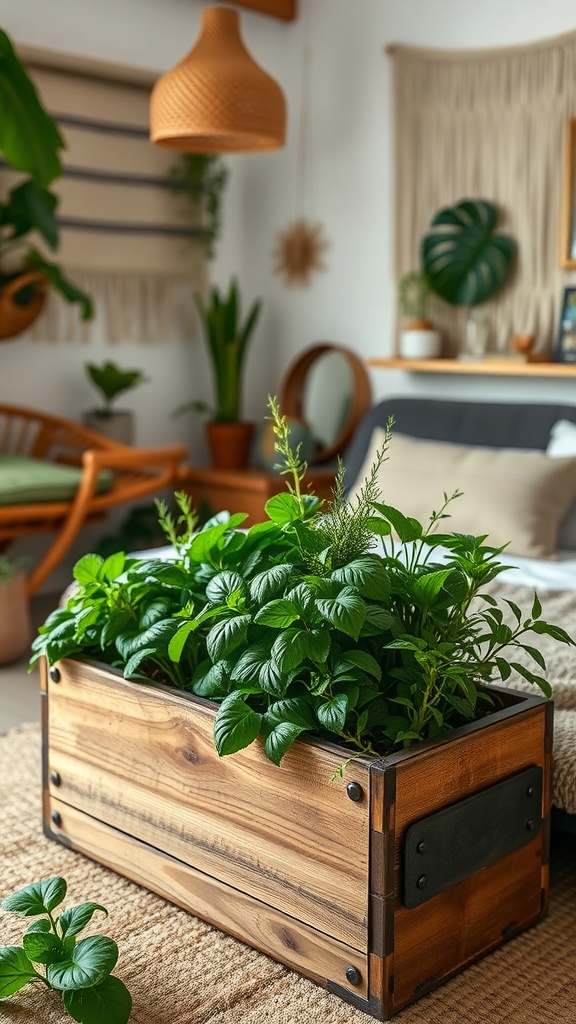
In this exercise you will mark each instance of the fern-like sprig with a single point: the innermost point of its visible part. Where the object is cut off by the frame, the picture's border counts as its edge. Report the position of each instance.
(348, 527)
(178, 530)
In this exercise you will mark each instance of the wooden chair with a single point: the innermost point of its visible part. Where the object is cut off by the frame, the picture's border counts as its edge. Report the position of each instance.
(132, 473)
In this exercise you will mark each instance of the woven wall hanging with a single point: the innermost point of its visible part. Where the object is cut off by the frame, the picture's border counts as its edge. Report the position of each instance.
(122, 236)
(488, 124)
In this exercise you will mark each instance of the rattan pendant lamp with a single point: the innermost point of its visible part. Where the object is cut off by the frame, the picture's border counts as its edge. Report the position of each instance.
(217, 99)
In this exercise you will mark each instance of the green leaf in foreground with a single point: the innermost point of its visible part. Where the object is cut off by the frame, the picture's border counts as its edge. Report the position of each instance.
(38, 898)
(236, 725)
(75, 919)
(90, 962)
(15, 970)
(107, 1003)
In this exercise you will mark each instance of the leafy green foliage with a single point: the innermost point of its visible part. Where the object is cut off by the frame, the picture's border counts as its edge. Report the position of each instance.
(111, 381)
(79, 971)
(31, 142)
(200, 178)
(299, 625)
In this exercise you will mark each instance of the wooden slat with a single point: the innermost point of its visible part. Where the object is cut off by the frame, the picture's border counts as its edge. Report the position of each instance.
(300, 947)
(492, 367)
(144, 762)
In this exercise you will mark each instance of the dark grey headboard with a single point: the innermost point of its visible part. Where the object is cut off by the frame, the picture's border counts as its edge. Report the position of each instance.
(493, 424)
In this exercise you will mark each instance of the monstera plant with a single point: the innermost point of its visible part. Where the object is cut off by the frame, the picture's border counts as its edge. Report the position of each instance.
(464, 258)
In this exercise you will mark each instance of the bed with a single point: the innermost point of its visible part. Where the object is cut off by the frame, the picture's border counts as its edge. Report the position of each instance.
(516, 464)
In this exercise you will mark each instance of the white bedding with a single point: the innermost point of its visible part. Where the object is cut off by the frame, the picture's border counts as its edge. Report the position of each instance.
(541, 574)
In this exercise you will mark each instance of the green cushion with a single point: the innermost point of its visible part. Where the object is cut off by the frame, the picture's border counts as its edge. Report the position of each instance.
(24, 480)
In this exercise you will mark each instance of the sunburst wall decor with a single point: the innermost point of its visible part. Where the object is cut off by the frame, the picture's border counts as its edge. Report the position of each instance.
(298, 252)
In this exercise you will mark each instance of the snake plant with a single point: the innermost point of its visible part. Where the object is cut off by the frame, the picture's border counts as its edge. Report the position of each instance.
(227, 337)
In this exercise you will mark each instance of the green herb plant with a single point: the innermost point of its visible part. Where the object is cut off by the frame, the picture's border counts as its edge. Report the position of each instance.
(111, 381)
(51, 954)
(300, 625)
(415, 296)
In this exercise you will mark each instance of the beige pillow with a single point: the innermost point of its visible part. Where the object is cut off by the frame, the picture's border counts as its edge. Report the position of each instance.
(516, 497)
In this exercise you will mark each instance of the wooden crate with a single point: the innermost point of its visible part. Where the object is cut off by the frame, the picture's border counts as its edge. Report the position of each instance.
(355, 882)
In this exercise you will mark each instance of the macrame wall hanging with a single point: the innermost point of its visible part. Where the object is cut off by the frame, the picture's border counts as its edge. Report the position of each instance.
(488, 124)
(123, 238)
(299, 248)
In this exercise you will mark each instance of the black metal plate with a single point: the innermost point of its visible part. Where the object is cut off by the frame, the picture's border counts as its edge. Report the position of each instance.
(451, 844)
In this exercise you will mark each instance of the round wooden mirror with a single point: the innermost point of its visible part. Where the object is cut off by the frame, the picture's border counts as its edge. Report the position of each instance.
(328, 389)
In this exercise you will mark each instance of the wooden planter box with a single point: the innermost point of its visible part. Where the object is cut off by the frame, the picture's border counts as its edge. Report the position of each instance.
(358, 883)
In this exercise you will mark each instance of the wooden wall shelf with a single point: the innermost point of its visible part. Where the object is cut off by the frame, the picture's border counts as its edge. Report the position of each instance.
(495, 367)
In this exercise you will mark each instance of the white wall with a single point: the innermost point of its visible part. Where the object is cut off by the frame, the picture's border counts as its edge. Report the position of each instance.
(350, 188)
(349, 185)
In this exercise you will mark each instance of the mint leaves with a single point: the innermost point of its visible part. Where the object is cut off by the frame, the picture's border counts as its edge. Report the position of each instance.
(339, 620)
(79, 970)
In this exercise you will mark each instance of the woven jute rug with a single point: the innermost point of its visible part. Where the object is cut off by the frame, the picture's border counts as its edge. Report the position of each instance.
(181, 971)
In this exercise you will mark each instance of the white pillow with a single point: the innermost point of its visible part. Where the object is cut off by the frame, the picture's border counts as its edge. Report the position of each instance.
(516, 497)
(562, 444)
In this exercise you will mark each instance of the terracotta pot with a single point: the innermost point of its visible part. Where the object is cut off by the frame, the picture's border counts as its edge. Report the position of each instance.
(229, 444)
(15, 318)
(15, 627)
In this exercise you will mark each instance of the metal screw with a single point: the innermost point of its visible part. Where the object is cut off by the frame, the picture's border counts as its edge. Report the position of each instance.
(55, 675)
(422, 882)
(55, 778)
(422, 846)
(56, 817)
(354, 791)
(530, 791)
(353, 975)
(530, 824)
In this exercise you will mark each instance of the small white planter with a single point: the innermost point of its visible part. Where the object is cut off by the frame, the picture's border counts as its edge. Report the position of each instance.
(419, 343)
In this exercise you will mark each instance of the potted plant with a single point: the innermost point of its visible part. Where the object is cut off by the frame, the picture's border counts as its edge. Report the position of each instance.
(111, 381)
(466, 261)
(418, 338)
(227, 337)
(200, 179)
(333, 854)
(30, 142)
(15, 626)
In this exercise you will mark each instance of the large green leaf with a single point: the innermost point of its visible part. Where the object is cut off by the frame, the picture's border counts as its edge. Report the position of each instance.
(89, 963)
(75, 919)
(29, 137)
(236, 725)
(29, 208)
(38, 898)
(15, 970)
(107, 1003)
(466, 262)
(42, 947)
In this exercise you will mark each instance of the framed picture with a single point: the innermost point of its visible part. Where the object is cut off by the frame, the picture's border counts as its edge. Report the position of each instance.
(566, 344)
(568, 205)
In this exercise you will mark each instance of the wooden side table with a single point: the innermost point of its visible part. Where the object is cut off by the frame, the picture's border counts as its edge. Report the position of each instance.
(246, 490)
